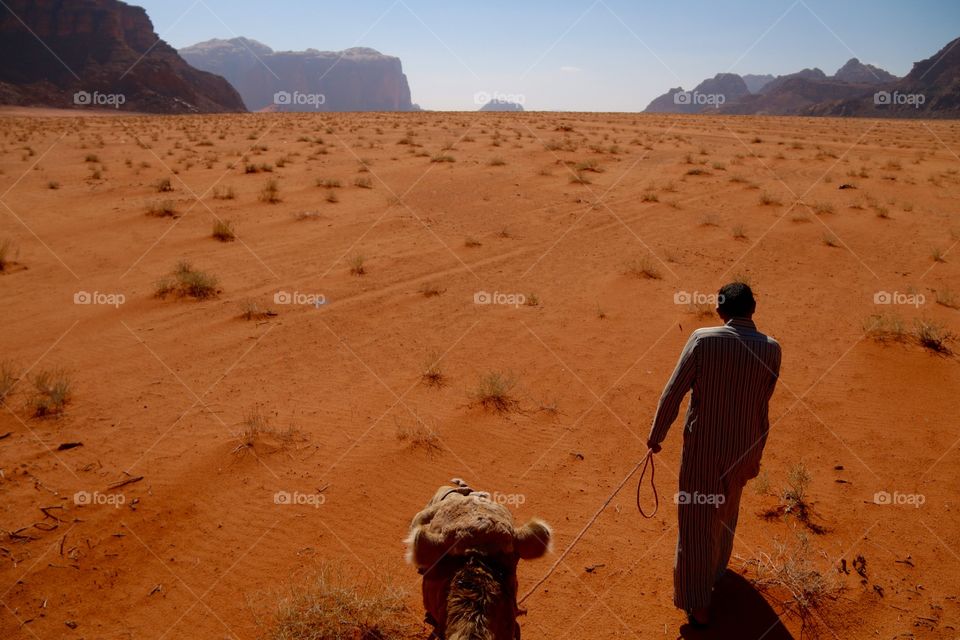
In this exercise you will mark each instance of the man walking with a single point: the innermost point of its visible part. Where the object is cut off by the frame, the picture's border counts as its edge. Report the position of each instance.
(732, 371)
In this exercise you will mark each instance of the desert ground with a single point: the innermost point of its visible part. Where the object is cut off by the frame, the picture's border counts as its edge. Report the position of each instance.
(291, 397)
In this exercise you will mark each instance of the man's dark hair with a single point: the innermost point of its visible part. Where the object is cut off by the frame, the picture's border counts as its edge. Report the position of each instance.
(735, 300)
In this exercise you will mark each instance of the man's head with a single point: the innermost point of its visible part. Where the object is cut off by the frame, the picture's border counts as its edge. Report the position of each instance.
(735, 300)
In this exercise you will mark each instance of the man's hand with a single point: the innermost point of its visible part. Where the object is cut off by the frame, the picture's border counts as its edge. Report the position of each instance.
(653, 446)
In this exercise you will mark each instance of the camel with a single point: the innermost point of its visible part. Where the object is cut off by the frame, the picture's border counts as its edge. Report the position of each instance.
(466, 547)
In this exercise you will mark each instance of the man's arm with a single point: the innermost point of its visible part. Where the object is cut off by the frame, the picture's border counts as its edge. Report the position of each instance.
(680, 382)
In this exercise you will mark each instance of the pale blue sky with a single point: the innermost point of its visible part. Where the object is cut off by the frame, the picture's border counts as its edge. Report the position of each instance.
(589, 55)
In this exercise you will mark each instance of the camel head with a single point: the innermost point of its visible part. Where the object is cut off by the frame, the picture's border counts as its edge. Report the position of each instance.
(467, 549)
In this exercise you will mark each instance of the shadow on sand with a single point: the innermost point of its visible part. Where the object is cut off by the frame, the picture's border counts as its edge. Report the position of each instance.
(739, 611)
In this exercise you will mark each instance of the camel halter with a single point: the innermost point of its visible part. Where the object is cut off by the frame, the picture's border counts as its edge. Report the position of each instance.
(646, 462)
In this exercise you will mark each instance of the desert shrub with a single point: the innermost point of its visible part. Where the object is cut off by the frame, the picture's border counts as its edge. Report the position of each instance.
(643, 267)
(948, 298)
(588, 165)
(250, 309)
(932, 335)
(8, 378)
(357, 267)
(163, 185)
(363, 183)
(794, 493)
(328, 183)
(432, 374)
(431, 290)
(223, 230)
(739, 232)
(7, 252)
(497, 162)
(789, 575)
(185, 281)
(767, 199)
(493, 391)
(332, 197)
(441, 157)
(884, 326)
(327, 606)
(222, 192)
(822, 208)
(470, 241)
(161, 208)
(51, 393)
(270, 192)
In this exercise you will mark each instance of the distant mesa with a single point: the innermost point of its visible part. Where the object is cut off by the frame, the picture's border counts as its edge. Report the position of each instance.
(102, 54)
(357, 79)
(501, 105)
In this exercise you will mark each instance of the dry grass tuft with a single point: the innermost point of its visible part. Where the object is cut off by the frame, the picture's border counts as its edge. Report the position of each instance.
(789, 575)
(328, 606)
(8, 378)
(7, 252)
(185, 281)
(162, 208)
(885, 326)
(270, 192)
(357, 267)
(643, 267)
(51, 393)
(223, 231)
(932, 335)
(493, 391)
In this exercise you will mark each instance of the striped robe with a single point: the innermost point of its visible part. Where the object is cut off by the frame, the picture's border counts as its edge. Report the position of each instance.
(732, 370)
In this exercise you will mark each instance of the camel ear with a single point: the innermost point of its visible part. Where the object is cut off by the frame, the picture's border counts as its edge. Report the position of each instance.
(533, 539)
(424, 548)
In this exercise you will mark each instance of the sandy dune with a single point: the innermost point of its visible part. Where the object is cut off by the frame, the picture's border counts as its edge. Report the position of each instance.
(161, 387)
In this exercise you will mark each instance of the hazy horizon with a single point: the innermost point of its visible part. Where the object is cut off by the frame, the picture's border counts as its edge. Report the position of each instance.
(600, 55)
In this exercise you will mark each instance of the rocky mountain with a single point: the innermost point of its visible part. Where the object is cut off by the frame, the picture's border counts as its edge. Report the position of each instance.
(930, 90)
(792, 95)
(501, 105)
(710, 94)
(809, 91)
(358, 79)
(756, 82)
(856, 72)
(99, 54)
